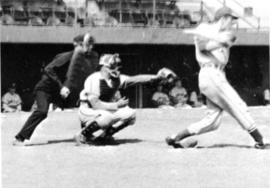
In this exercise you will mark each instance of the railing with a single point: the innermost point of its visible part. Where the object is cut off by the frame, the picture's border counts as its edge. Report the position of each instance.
(224, 3)
(153, 13)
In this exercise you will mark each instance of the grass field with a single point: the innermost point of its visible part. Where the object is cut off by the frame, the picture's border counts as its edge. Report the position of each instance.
(224, 158)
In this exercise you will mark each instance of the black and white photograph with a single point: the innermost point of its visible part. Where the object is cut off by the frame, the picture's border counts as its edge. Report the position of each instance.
(135, 93)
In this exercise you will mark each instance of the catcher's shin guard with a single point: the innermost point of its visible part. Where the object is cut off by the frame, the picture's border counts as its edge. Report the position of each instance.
(90, 129)
(85, 136)
(112, 130)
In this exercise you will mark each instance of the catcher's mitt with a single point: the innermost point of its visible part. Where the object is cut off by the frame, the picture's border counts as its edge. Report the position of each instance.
(167, 74)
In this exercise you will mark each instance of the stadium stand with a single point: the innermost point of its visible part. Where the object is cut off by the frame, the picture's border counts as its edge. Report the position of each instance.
(168, 13)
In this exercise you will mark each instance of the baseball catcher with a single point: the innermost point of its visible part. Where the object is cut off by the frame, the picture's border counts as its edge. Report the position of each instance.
(98, 112)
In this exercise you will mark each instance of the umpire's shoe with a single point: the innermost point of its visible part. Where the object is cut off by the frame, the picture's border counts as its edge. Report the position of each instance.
(171, 142)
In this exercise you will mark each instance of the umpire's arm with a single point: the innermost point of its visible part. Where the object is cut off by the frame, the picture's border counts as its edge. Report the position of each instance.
(74, 69)
(58, 61)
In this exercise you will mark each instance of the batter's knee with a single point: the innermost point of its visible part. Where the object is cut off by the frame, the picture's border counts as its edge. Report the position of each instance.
(209, 123)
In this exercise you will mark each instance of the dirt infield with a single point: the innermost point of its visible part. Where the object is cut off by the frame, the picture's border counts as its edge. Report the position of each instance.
(224, 158)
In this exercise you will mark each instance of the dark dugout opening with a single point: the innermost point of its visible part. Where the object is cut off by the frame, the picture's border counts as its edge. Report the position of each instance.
(247, 70)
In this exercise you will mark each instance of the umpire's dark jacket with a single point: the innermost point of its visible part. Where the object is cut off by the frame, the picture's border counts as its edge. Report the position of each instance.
(68, 69)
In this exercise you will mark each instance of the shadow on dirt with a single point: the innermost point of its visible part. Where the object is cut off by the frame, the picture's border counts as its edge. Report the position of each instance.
(98, 143)
(267, 146)
(117, 142)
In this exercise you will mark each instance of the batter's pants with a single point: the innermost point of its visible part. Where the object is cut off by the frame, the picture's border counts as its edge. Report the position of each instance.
(220, 97)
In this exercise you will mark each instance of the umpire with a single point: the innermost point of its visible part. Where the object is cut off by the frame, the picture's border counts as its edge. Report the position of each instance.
(61, 82)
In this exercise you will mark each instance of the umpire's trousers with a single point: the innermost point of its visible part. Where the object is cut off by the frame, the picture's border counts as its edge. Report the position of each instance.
(43, 100)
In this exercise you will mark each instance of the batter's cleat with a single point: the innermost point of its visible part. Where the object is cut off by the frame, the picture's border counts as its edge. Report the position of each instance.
(171, 142)
(17, 142)
(259, 145)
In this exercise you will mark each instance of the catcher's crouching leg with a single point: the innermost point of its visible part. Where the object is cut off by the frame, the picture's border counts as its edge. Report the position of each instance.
(85, 135)
(127, 118)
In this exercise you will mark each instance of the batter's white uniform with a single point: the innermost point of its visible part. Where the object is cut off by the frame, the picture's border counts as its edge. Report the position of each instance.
(219, 93)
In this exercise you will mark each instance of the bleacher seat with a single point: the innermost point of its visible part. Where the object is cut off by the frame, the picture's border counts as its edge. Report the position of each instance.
(60, 13)
(46, 13)
(7, 9)
(139, 17)
(150, 21)
(126, 16)
(110, 5)
(20, 15)
(169, 17)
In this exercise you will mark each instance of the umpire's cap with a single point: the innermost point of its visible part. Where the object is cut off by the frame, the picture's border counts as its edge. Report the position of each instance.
(79, 39)
(224, 11)
(110, 60)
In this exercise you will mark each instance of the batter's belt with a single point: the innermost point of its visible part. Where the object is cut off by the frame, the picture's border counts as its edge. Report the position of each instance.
(212, 65)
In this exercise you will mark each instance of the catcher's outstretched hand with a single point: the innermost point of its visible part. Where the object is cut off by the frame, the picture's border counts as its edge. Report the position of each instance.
(167, 74)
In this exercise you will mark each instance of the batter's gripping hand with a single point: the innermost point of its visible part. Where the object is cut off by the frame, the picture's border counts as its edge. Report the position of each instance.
(167, 74)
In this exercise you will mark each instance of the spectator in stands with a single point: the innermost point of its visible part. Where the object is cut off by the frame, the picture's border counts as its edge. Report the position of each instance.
(179, 94)
(160, 99)
(7, 19)
(266, 96)
(11, 100)
(70, 19)
(181, 22)
(53, 20)
(109, 20)
(35, 16)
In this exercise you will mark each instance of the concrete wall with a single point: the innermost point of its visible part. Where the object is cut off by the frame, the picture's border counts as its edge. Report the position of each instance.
(116, 35)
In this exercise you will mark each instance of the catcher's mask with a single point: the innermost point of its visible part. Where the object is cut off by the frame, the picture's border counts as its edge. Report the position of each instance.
(112, 64)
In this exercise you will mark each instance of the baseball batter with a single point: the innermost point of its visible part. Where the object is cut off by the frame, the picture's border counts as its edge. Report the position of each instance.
(212, 45)
(98, 112)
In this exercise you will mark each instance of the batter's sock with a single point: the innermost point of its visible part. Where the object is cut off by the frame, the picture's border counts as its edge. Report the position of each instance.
(90, 129)
(256, 135)
(183, 134)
